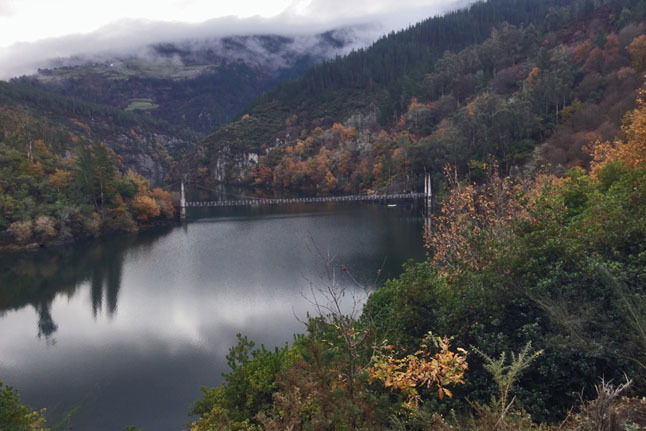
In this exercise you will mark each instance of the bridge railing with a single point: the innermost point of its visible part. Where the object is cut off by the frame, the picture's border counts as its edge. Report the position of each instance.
(318, 199)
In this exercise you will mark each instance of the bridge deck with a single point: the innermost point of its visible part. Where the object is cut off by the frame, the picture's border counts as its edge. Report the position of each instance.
(350, 198)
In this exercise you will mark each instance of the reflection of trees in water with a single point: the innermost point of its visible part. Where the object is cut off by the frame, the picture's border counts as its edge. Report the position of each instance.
(46, 325)
(36, 279)
(106, 282)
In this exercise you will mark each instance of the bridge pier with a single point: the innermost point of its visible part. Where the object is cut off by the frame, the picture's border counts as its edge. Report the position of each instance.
(428, 193)
(182, 204)
(428, 202)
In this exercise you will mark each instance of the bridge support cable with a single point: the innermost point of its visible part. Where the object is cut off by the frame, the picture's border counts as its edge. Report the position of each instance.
(284, 201)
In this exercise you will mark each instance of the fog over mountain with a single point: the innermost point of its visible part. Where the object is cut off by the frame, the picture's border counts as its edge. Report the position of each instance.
(356, 24)
(172, 49)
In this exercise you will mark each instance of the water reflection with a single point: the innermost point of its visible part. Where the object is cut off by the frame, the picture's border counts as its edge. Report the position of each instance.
(46, 325)
(148, 320)
(36, 278)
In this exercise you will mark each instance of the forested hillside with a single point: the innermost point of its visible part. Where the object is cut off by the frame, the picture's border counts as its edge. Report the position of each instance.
(522, 82)
(198, 84)
(70, 169)
(145, 144)
(80, 164)
(528, 315)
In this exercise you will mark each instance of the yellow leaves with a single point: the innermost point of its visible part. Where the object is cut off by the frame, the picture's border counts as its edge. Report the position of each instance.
(289, 121)
(637, 51)
(581, 52)
(36, 169)
(118, 202)
(263, 174)
(146, 207)
(337, 128)
(414, 103)
(346, 134)
(299, 148)
(165, 202)
(421, 369)
(533, 75)
(474, 221)
(74, 138)
(143, 185)
(44, 228)
(377, 170)
(60, 179)
(471, 108)
(631, 152)
(626, 73)
(21, 231)
(82, 126)
(442, 391)
(40, 146)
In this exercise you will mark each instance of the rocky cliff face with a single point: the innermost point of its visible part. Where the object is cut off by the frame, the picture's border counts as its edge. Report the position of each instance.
(148, 153)
(232, 167)
(143, 148)
(140, 143)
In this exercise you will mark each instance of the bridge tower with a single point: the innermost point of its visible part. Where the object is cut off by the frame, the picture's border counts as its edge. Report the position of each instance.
(182, 204)
(428, 202)
(428, 192)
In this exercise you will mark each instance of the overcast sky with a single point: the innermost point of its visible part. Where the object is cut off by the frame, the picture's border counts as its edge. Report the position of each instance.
(31, 30)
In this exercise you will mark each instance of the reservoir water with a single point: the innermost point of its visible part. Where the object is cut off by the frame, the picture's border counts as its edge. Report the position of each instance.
(124, 331)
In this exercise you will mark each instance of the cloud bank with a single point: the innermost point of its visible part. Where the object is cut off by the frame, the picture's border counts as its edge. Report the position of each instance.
(368, 20)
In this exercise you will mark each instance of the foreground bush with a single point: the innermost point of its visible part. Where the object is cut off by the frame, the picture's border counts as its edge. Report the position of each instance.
(555, 262)
(15, 416)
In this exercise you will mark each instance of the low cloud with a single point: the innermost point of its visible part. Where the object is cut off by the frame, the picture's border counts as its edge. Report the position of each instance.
(5, 8)
(300, 23)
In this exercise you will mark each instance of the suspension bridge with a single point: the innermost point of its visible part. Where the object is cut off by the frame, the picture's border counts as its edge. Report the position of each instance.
(248, 202)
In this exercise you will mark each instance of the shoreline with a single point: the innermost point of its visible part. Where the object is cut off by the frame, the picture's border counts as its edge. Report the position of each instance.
(35, 246)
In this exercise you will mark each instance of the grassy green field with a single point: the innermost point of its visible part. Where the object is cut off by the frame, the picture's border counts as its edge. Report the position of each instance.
(141, 105)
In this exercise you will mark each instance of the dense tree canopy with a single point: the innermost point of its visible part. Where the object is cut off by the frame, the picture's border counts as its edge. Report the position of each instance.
(536, 87)
(548, 268)
(535, 280)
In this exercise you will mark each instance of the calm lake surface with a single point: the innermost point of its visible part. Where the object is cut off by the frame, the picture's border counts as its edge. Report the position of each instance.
(125, 331)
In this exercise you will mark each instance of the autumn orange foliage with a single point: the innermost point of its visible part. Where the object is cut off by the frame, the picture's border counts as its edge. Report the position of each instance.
(36, 169)
(472, 221)
(477, 220)
(163, 199)
(60, 179)
(630, 151)
(422, 369)
(637, 51)
(346, 134)
(146, 207)
(40, 146)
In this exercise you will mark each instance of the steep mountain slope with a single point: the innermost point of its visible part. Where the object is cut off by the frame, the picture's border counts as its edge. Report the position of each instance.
(67, 168)
(194, 84)
(144, 144)
(497, 80)
(82, 163)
